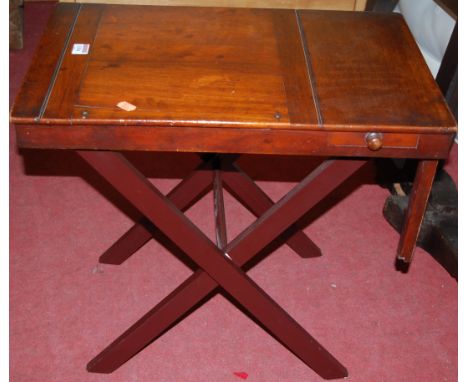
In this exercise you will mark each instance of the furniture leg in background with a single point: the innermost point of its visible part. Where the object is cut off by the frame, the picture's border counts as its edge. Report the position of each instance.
(439, 232)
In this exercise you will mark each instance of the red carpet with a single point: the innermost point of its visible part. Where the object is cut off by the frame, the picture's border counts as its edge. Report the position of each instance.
(381, 324)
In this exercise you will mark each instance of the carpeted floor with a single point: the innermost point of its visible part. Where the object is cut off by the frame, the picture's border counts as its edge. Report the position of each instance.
(381, 324)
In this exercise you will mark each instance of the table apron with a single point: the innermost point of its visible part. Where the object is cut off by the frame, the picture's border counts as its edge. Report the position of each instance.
(222, 140)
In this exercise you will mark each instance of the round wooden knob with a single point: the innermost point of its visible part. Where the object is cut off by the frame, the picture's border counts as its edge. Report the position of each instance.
(374, 141)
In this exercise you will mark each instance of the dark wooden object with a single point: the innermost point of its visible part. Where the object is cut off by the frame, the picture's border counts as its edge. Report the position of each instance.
(447, 76)
(16, 24)
(439, 230)
(231, 81)
(439, 233)
(449, 6)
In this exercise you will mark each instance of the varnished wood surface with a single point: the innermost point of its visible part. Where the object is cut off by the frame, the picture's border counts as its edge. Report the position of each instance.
(222, 73)
(67, 86)
(218, 65)
(248, 141)
(369, 70)
(47, 56)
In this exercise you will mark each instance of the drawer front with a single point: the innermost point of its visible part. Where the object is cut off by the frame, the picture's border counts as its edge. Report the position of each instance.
(374, 141)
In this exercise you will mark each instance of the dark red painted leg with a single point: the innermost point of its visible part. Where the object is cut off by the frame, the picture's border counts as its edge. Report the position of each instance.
(219, 267)
(220, 216)
(243, 188)
(416, 209)
(183, 195)
(132, 240)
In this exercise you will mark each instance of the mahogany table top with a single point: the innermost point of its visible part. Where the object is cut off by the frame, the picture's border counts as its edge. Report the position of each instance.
(197, 79)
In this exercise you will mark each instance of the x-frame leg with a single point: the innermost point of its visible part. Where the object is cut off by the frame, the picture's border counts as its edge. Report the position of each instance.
(191, 189)
(257, 201)
(218, 268)
(183, 195)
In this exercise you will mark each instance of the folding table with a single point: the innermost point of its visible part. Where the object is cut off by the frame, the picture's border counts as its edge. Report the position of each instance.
(224, 82)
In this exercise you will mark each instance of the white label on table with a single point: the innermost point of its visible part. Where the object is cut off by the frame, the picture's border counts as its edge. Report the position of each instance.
(127, 106)
(80, 49)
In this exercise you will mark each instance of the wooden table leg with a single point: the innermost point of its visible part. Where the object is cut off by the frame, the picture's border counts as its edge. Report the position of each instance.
(216, 264)
(244, 189)
(191, 189)
(183, 196)
(220, 216)
(130, 242)
(417, 206)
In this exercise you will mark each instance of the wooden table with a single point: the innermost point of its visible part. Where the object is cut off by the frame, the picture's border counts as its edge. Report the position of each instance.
(224, 82)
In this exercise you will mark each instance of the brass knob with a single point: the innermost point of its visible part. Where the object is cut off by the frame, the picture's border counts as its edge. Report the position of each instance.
(374, 141)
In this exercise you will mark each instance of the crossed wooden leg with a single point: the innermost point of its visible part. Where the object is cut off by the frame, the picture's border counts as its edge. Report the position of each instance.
(183, 196)
(248, 193)
(219, 267)
(192, 188)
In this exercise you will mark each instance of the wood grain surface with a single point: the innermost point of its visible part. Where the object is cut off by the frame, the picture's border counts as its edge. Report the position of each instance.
(374, 74)
(46, 59)
(185, 65)
(253, 70)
